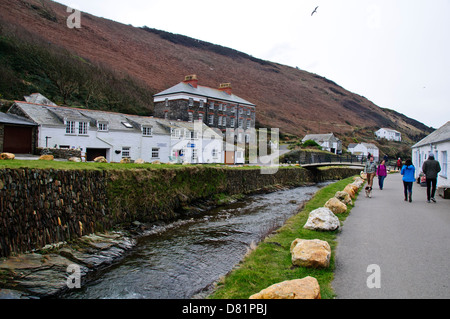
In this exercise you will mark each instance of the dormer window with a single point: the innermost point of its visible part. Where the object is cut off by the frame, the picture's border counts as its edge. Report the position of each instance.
(146, 131)
(102, 126)
(83, 128)
(70, 127)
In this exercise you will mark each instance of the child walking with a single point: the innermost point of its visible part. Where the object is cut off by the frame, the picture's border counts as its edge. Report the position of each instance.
(408, 171)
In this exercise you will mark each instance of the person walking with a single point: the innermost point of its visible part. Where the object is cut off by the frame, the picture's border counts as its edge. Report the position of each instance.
(399, 163)
(431, 168)
(381, 173)
(370, 169)
(408, 171)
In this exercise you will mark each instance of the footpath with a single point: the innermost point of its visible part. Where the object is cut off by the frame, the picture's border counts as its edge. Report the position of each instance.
(392, 249)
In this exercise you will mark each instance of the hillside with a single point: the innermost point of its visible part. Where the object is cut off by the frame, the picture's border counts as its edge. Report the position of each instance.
(113, 66)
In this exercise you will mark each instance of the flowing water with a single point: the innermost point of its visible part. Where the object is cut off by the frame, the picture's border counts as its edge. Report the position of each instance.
(184, 258)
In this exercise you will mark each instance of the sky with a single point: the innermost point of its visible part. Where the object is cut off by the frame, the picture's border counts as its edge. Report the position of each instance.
(395, 53)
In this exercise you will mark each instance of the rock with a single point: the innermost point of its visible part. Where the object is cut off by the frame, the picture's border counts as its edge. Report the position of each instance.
(351, 190)
(363, 175)
(322, 219)
(139, 161)
(344, 197)
(125, 161)
(156, 162)
(306, 288)
(46, 158)
(75, 159)
(100, 159)
(313, 253)
(358, 181)
(7, 156)
(336, 206)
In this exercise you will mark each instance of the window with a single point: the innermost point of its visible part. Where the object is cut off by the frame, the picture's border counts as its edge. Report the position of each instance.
(167, 102)
(444, 161)
(126, 152)
(214, 153)
(155, 152)
(248, 123)
(200, 117)
(82, 128)
(220, 121)
(202, 103)
(211, 119)
(191, 102)
(127, 125)
(224, 121)
(194, 154)
(102, 126)
(233, 122)
(146, 131)
(191, 116)
(211, 105)
(193, 134)
(175, 133)
(241, 122)
(70, 127)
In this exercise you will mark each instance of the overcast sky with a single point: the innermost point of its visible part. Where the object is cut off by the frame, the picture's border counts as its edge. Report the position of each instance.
(396, 53)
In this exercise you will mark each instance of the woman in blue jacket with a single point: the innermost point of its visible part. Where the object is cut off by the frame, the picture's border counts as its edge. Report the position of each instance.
(409, 178)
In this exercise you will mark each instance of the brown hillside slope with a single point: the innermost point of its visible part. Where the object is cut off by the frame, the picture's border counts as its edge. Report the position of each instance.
(293, 100)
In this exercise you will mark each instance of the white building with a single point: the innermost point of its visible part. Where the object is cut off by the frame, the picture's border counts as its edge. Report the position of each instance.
(328, 142)
(363, 149)
(116, 136)
(437, 143)
(389, 134)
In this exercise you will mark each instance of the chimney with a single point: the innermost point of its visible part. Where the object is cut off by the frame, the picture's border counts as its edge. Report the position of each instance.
(225, 87)
(191, 79)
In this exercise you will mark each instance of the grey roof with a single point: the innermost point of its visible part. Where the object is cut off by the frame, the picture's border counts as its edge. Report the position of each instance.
(440, 135)
(56, 115)
(203, 91)
(320, 137)
(15, 119)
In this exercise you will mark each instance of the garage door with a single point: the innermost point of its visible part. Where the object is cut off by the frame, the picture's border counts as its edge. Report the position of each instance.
(17, 139)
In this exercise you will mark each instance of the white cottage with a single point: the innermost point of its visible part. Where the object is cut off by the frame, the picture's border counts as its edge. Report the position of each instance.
(363, 149)
(116, 136)
(437, 143)
(389, 134)
(328, 142)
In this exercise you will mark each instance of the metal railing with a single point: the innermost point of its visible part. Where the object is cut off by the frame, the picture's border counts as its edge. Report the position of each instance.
(311, 159)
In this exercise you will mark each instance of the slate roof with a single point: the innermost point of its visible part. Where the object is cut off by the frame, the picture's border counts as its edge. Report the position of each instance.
(183, 87)
(15, 120)
(56, 115)
(320, 137)
(442, 134)
(50, 115)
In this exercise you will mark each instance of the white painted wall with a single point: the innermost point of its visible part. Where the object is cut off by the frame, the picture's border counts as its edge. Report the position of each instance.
(441, 153)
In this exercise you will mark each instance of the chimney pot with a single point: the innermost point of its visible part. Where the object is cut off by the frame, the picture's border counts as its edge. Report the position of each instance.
(225, 87)
(191, 79)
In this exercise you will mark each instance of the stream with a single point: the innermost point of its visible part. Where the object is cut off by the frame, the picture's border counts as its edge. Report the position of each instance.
(183, 259)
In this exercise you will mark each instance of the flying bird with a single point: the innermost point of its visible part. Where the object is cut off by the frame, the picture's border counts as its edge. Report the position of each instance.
(315, 10)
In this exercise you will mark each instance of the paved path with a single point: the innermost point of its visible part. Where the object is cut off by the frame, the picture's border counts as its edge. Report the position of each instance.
(410, 242)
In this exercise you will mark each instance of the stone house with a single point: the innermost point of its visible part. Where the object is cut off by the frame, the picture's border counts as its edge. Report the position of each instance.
(328, 142)
(437, 143)
(216, 107)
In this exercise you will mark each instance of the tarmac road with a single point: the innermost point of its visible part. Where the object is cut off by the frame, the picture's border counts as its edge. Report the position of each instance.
(392, 249)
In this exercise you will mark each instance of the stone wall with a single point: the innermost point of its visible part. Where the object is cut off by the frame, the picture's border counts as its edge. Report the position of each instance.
(40, 207)
(59, 152)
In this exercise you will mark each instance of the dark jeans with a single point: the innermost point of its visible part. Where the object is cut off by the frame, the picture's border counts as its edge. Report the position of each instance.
(407, 186)
(381, 181)
(431, 187)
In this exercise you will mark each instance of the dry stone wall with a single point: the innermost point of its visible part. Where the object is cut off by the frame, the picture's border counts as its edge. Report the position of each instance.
(41, 207)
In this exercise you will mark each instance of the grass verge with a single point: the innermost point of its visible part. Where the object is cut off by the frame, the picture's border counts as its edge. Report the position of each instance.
(271, 263)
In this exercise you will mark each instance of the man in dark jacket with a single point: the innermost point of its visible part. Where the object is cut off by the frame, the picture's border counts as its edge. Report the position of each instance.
(431, 168)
